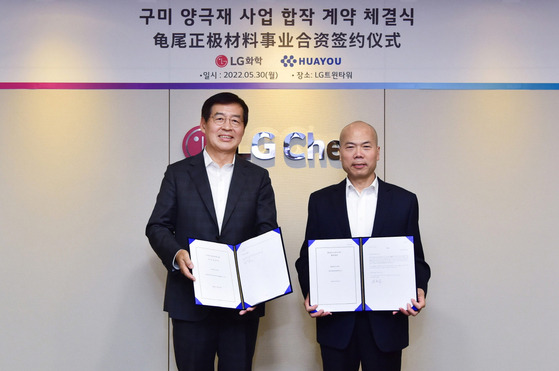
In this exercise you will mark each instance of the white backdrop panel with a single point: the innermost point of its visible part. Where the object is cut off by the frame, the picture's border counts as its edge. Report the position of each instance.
(81, 289)
(483, 164)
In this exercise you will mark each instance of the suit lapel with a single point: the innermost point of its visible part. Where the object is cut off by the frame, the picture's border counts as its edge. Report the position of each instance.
(340, 202)
(235, 189)
(199, 176)
(383, 202)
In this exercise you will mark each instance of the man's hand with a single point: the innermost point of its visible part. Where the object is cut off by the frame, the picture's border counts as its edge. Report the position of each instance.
(415, 307)
(312, 309)
(244, 311)
(185, 264)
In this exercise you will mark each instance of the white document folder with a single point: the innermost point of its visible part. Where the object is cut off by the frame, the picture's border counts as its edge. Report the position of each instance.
(362, 274)
(240, 276)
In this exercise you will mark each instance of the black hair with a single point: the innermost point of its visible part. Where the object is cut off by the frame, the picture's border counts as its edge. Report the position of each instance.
(224, 98)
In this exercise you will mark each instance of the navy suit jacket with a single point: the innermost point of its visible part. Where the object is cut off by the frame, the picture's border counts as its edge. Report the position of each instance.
(397, 214)
(184, 209)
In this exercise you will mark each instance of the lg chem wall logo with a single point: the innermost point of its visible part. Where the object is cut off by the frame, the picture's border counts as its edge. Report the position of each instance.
(291, 61)
(264, 148)
(193, 142)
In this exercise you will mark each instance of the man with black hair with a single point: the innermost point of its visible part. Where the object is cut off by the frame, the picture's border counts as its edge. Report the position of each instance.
(213, 196)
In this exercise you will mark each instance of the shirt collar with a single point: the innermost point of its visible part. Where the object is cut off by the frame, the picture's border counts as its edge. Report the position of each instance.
(208, 161)
(372, 188)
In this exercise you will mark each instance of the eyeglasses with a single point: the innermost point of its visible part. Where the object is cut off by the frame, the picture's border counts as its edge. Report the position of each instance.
(219, 119)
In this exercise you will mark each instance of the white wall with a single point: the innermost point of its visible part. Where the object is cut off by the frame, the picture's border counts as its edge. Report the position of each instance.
(483, 164)
(81, 288)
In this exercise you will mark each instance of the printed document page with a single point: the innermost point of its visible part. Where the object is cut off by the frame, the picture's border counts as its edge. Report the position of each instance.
(335, 283)
(388, 272)
(216, 275)
(263, 268)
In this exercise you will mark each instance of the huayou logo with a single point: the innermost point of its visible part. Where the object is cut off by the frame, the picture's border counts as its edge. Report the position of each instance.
(288, 61)
(193, 142)
(291, 61)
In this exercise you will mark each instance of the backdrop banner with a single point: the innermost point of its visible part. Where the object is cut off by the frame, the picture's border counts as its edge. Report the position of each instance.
(263, 42)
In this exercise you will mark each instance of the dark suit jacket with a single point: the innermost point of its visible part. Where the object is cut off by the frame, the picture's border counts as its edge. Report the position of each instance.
(184, 209)
(397, 214)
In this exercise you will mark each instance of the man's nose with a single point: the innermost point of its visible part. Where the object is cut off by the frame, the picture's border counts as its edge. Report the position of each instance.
(227, 124)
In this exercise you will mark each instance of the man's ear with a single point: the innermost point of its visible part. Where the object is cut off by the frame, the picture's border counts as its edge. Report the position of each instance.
(203, 124)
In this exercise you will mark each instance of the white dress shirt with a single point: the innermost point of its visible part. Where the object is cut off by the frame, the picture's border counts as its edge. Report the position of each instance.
(220, 180)
(361, 208)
